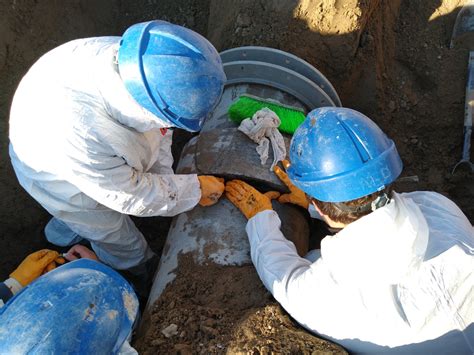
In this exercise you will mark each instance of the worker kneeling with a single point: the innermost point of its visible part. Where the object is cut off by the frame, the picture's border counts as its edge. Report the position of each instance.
(83, 307)
(398, 274)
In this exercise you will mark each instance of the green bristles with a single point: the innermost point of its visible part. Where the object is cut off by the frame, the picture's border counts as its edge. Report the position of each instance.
(247, 105)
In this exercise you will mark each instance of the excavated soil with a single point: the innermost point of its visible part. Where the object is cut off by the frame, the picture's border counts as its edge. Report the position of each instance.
(223, 309)
(389, 59)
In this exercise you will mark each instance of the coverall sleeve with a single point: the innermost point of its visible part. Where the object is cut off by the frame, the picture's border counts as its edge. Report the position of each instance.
(5, 294)
(164, 165)
(296, 283)
(98, 171)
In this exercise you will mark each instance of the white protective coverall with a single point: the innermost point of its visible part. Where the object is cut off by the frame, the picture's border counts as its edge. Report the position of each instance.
(90, 155)
(399, 280)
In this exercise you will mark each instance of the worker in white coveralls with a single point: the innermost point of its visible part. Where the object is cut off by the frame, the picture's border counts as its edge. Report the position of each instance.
(90, 140)
(83, 307)
(398, 276)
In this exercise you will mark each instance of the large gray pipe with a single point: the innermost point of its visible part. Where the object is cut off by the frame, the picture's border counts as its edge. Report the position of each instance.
(217, 233)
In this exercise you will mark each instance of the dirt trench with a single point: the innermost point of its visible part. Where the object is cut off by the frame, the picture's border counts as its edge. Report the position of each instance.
(390, 59)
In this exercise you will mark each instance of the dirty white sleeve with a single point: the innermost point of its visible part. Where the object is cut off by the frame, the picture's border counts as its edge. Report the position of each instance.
(96, 159)
(287, 276)
(132, 192)
(304, 289)
(164, 165)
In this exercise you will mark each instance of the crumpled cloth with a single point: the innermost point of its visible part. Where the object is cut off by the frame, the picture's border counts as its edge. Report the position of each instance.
(262, 128)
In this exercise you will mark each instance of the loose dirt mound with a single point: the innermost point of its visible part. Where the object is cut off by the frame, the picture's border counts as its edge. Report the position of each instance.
(214, 309)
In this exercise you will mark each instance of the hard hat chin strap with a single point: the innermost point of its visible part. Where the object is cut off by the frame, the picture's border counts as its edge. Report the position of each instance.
(380, 201)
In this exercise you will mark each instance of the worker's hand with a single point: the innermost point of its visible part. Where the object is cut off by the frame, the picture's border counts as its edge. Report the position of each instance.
(296, 196)
(212, 189)
(54, 264)
(33, 266)
(79, 251)
(247, 199)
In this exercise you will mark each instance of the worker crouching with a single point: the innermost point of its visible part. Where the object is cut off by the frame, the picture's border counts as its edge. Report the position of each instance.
(90, 135)
(397, 275)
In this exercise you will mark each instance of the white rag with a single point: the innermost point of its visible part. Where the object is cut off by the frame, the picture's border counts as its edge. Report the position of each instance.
(263, 125)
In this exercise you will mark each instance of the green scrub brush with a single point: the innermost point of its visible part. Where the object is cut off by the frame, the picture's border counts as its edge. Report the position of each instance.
(246, 106)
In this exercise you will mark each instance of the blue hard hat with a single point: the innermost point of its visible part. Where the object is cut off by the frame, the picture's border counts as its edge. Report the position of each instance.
(339, 155)
(83, 307)
(172, 71)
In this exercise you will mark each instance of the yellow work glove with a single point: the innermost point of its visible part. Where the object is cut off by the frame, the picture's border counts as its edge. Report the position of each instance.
(54, 264)
(296, 196)
(212, 189)
(33, 266)
(247, 199)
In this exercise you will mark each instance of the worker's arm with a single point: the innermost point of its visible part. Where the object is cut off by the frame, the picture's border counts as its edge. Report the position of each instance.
(126, 190)
(211, 187)
(33, 266)
(304, 288)
(79, 251)
(164, 163)
(274, 256)
(98, 166)
(8, 289)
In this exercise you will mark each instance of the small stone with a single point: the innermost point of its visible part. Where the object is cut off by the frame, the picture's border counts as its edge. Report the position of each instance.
(170, 331)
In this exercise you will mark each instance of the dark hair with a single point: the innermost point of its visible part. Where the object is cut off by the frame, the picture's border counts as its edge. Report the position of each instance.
(350, 211)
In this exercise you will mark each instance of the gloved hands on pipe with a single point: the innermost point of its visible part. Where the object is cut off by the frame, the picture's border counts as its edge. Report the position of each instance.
(296, 196)
(212, 189)
(34, 265)
(247, 199)
(54, 264)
